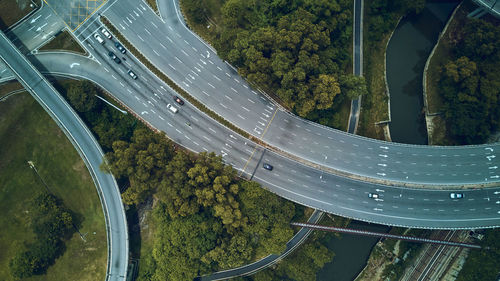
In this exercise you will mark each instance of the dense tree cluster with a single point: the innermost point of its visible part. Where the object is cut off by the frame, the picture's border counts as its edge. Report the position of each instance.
(206, 218)
(108, 124)
(470, 84)
(301, 265)
(51, 223)
(296, 49)
(383, 15)
(482, 265)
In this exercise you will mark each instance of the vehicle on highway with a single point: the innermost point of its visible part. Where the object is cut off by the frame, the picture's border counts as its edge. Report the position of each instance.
(106, 33)
(132, 74)
(120, 48)
(114, 57)
(456, 195)
(178, 100)
(373, 195)
(172, 108)
(267, 167)
(98, 38)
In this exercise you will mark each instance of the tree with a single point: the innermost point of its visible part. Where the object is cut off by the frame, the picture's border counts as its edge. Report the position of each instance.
(353, 86)
(142, 161)
(82, 96)
(51, 223)
(181, 243)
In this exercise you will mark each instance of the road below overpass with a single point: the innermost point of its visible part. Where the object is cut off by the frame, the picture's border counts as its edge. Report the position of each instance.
(87, 147)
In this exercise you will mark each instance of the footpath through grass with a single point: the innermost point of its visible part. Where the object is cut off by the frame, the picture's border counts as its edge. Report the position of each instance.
(28, 133)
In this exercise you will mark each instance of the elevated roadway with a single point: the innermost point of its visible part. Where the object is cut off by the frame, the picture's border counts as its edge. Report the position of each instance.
(87, 147)
(396, 205)
(317, 188)
(194, 66)
(491, 6)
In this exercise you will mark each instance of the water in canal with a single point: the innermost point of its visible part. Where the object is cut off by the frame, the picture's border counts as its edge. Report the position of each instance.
(351, 253)
(407, 53)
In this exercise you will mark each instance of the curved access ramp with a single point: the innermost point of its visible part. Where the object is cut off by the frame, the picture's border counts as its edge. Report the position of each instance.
(88, 148)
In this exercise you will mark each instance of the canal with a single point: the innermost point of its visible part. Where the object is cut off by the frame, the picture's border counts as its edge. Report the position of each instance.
(351, 253)
(406, 54)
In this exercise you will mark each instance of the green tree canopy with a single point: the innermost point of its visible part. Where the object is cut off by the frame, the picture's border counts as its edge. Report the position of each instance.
(82, 96)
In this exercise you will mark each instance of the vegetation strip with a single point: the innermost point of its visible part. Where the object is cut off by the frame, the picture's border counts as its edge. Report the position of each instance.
(169, 82)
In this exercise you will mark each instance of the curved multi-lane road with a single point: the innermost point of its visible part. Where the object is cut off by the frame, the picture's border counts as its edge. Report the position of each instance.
(198, 65)
(290, 179)
(88, 148)
(316, 188)
(195, 67)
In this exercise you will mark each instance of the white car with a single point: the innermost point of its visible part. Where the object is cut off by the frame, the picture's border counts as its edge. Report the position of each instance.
(98, 38)
(172, 108)
(106, 33)
(373, 195)
(455, 195)
(132, 74)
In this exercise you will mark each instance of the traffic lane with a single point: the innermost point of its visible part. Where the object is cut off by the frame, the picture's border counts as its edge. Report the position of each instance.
(351, 198)
(383, 168)
(175, 61)
(381, 160)
(422, 176)
(357, 37)
(37, 29)
(200, 135)
(168, 12)
(304, 177)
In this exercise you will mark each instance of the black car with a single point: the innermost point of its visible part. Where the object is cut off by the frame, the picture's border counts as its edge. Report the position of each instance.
(114, 57)
(267, 167)
(120, 48)
(178, 100)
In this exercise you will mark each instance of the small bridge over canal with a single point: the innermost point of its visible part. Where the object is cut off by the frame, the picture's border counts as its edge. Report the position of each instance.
(385, 235)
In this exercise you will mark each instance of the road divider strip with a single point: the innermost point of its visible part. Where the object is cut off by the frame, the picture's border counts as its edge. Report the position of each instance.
(168, 81)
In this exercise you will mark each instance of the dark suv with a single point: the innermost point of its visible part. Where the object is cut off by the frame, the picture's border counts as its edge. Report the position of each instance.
(178, 100)
(267, 167)
(114, 57)
(120, 48)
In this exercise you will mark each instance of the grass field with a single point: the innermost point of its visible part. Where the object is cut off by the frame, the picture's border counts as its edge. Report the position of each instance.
(28, 133)
(63, 41)
(374, 106)
(442, 55)
(9, 87)
(11, 11)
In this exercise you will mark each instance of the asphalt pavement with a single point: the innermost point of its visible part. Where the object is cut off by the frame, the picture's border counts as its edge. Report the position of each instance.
(396, 205)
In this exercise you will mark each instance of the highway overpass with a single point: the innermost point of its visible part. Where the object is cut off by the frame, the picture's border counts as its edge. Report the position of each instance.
(87, 147)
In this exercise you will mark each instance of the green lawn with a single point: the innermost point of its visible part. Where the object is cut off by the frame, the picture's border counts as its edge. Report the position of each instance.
(11, 11)
(9, 87)
(63, 41)
(28, 133)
